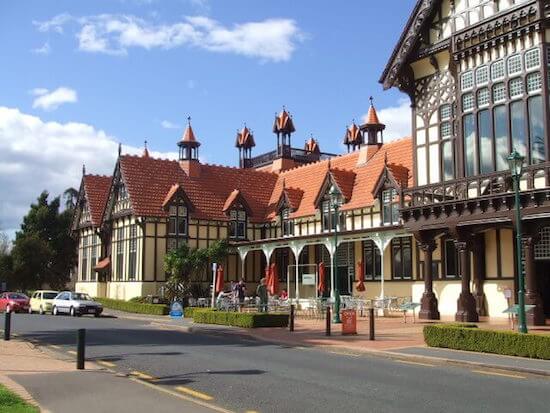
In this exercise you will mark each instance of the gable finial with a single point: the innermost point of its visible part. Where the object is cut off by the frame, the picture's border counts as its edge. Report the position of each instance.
(189, 120)
(119, 149)
(371, 101)
(83, 169)
(145, 143)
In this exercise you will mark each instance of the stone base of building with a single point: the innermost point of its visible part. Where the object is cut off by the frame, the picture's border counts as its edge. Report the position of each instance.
(536, 316)
(429, 307)
(467, 311)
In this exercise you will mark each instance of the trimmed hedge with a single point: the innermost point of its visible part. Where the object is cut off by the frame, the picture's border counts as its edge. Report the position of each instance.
(507, 343)
(134, 307)
(235, 319)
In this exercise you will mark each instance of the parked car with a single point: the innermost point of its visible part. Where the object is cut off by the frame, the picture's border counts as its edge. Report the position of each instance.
(41, 301)
(75, 304)
(16, 302)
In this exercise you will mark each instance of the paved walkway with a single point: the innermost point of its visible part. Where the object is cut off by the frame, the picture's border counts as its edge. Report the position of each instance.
(44, 380)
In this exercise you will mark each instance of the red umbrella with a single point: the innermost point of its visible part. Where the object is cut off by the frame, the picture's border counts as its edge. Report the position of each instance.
(361, 279)
(219, 279)
(321, 284)
(274, 285)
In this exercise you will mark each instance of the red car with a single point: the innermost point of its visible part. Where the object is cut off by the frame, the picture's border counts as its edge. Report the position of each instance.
(14, 302)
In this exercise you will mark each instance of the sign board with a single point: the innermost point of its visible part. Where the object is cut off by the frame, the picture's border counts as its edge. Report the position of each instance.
(176, 310)
(349, 322)
(508, 293)
(308, 279)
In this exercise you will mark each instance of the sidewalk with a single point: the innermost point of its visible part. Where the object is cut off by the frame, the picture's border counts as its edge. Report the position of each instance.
(44, 380)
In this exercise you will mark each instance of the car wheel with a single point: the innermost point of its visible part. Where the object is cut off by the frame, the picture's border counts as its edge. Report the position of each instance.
(54, 311)
(72, 312)
(41, 311)
(97, 314)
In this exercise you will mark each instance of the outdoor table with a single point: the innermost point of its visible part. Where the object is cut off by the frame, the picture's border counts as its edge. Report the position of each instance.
(408, 307)
(514, 310)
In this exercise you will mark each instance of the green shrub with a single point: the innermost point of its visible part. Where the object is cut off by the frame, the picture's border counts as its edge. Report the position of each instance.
(189, 311)
(488, 341)
(134, 307)
(245, 320)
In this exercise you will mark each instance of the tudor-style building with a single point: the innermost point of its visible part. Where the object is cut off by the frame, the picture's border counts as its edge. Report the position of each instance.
(274, 207)
(477, 74)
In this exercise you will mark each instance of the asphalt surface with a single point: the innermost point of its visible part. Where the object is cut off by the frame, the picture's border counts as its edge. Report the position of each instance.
(242, 374)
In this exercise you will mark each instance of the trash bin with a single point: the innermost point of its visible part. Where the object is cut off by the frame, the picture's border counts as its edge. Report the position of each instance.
(349, 322)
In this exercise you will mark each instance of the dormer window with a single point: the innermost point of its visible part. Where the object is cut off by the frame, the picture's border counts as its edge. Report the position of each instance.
(122, 200)
(85, 213)
(177, 223)
(390, 207)
(286, 223)
(237, 224)
(328, 215)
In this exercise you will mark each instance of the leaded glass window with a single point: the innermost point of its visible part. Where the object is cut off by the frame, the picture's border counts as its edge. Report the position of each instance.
(534, 82)
(483, 97)
(499, 92)
(467, 80)
(516, 87)
(514, 64)
(497, 70)
(482, 75)
(532, 59)
(467, 102)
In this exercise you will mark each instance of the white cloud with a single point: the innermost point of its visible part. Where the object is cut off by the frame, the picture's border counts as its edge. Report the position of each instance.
(269, 40)
(397, 120)
(166, 124)
(52, 100)
(36, 155)
(55, 24)
(45, 49)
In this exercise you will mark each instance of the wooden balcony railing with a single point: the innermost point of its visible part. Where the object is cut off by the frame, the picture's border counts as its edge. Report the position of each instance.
(534, 177)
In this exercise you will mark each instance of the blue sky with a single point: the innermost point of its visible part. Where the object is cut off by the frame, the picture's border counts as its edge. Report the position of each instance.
(81, 75)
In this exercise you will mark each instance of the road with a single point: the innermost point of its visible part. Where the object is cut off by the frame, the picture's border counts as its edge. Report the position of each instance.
(243, 374)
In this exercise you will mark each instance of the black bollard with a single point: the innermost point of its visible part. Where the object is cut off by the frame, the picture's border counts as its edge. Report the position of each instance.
(291, 321)
(371, 324)
(328, 321)
(80, 348)
(7, 325)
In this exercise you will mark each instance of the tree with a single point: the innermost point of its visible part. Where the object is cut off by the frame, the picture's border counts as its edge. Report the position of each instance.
(6, 262)
(183, 266)
(44, 251)
(70, 196)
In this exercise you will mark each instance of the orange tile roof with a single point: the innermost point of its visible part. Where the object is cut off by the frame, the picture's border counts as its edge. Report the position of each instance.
(283, 123)
(189, 135)
(245, 139)
(96, 188)
(372, 116)
(353, 135)
(149, 181)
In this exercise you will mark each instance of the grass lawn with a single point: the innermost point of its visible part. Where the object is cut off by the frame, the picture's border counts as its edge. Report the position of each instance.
(12, 403)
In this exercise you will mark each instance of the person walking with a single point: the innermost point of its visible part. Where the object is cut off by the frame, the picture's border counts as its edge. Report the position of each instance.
(261, 292)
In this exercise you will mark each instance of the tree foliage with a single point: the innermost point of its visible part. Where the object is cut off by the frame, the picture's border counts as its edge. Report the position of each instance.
(71, 197)
(185, 265)
(44, 251)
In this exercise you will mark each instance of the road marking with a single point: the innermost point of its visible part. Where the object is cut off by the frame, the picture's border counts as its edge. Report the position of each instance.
(416, 363)
(182, 396)
(142, 376)
(54, 346)
(106, 363)
(494, 373)
(194, 393)
(72, 352)
(251, 411)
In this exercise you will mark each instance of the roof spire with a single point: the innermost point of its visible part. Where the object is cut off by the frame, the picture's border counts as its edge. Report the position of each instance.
(83, 169)
(119, 149)
(145, 150)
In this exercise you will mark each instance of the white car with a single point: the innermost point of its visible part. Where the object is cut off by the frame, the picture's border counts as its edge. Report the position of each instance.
(75, 304)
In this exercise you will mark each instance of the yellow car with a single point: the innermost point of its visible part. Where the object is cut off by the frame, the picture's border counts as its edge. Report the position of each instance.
(41, 301)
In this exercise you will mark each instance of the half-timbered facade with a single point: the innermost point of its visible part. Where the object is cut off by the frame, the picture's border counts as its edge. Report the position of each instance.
(477, 74)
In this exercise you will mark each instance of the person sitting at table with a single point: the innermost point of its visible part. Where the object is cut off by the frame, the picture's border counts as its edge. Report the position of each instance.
(284, 295)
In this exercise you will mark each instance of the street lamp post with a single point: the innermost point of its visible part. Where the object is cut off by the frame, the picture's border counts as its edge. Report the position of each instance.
(334, 200)
(515, 162)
